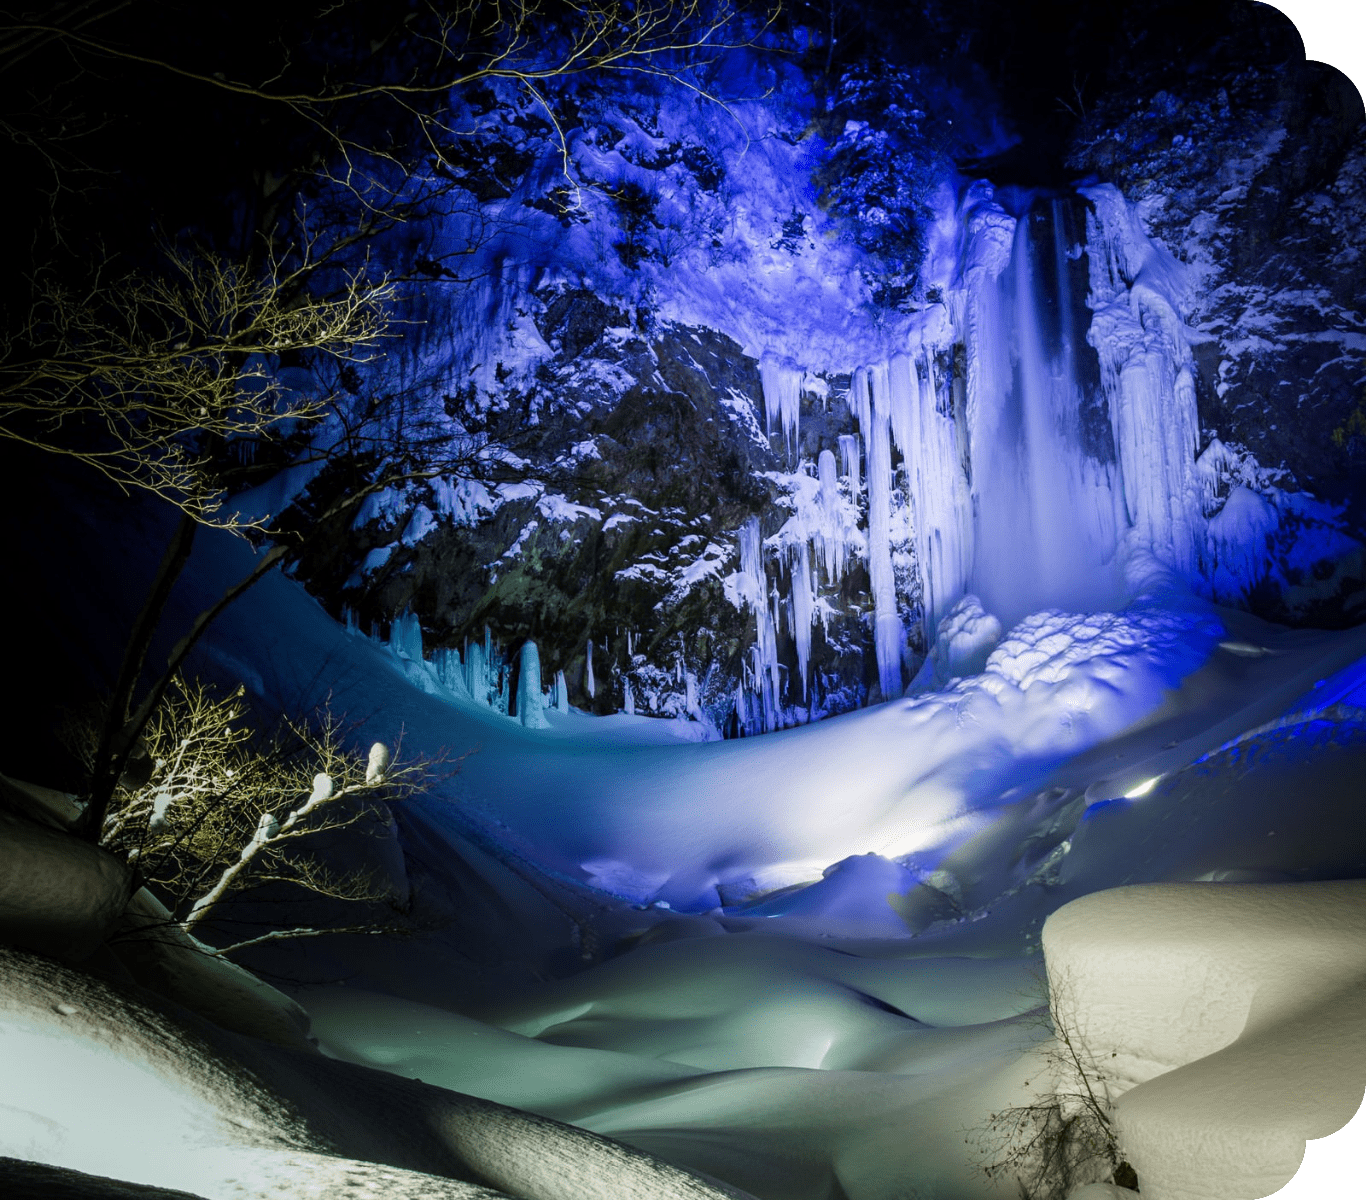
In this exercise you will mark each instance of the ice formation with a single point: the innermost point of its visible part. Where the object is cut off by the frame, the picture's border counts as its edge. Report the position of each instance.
(871, 395)
(530, 702)
(782, 384)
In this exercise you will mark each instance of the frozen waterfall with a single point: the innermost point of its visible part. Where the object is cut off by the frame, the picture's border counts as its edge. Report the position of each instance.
(1036, 426)
(1044, 504)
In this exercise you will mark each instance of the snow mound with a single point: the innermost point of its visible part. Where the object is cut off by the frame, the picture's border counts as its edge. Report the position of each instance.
(1232, 1020)
(58, 895)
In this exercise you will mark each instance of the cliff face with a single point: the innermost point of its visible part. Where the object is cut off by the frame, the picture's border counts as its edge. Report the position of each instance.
(817, 320)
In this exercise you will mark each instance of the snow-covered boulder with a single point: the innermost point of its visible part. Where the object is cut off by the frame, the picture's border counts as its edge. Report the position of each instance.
(1230, 1020)
(100, 1082)
(58, 895)
(161, 956)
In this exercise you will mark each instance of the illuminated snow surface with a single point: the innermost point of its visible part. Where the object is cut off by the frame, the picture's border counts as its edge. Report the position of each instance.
(803, 963)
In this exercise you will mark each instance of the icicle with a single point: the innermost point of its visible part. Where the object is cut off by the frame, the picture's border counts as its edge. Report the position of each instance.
(504, 689)
(630, 699)
(941, 505)
(561, 693)
(858, 400)
(888, 635)
(754, 592)
(782, 385)
(849, 456)
(902, 397)
(832, 538)
(589, 683)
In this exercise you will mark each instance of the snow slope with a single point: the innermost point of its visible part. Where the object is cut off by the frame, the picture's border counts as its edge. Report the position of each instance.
(97, 1081)
(787, 1040)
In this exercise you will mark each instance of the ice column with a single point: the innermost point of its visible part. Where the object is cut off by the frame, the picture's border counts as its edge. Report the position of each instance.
(530, 702)
(476, 673)
(832, 537)
(782, 384)
(754, 592)
(450, 670)
(589, 683)
(849, 455)
(803, 606)
(941, 506)
(870, 394)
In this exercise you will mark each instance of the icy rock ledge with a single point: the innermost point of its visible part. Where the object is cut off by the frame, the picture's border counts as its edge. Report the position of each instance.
(1230, 1018)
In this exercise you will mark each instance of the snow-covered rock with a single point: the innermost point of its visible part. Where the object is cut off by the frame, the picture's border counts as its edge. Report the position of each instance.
(1228, 1019)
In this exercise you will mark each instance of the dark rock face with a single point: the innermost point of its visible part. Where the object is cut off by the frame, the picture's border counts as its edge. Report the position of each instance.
(643, 454)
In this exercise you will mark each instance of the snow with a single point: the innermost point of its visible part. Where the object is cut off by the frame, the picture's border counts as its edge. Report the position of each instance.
(827, 979)
(1231, 1020)
(56, 894)
(228, 1117)
(962, 643)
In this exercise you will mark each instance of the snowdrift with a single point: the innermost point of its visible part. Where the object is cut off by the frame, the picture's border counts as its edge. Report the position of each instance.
(1231, 1019)
(100, 1081)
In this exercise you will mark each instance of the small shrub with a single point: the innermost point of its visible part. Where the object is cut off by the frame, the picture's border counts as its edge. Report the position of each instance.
(1065, 1138)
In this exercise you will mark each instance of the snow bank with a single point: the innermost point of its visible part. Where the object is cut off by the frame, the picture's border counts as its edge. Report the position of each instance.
(161, 956)
(173, 1103)
(793, 1070)
(1231, 1019)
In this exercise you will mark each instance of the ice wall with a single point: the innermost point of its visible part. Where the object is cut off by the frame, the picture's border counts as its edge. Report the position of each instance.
(1138, 290)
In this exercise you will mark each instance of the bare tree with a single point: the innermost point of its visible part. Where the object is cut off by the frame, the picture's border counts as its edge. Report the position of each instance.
(148, 378)
(221, 812)
(163, 369)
